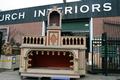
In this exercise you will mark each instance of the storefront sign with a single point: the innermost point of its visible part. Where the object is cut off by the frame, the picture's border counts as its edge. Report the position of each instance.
(73, 10)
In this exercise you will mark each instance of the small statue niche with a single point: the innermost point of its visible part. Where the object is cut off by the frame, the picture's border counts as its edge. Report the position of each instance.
(54, 27)
(54, 19)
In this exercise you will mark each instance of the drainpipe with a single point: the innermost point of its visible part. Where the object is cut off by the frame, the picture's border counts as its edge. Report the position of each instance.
(91, 33)
(7, 37)
(43, 28)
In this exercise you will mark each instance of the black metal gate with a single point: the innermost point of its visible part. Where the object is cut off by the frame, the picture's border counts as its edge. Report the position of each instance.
(106, 55)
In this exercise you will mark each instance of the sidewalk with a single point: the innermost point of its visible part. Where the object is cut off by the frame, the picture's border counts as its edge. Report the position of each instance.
(2, 70)
(14, 75)
(9, 75)
(101, 77)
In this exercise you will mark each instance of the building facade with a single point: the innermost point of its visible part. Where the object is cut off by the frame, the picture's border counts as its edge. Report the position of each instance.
(86, 18)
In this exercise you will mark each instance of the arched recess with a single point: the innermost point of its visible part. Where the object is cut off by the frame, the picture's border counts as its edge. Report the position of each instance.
(54, 18)
(50, 59)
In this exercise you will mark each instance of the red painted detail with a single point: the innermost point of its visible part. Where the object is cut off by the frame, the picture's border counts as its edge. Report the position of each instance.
(58, 61)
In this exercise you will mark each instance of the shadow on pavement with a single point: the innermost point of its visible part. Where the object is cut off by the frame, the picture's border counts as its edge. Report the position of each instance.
(2, 70)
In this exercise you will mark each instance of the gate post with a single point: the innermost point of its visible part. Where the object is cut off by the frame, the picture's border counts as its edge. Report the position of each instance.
(92, 56)
(104, 58)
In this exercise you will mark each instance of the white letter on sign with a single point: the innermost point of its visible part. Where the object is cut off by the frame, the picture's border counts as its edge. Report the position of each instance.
(107, 7)
(14, 16)
(96, 7)
(84, 9)
(68, 9)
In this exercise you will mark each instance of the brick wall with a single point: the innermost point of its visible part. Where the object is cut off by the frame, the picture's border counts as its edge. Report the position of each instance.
(98, 24)
(16, 31)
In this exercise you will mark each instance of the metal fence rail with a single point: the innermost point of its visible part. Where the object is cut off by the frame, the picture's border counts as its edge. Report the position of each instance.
(106, 55)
